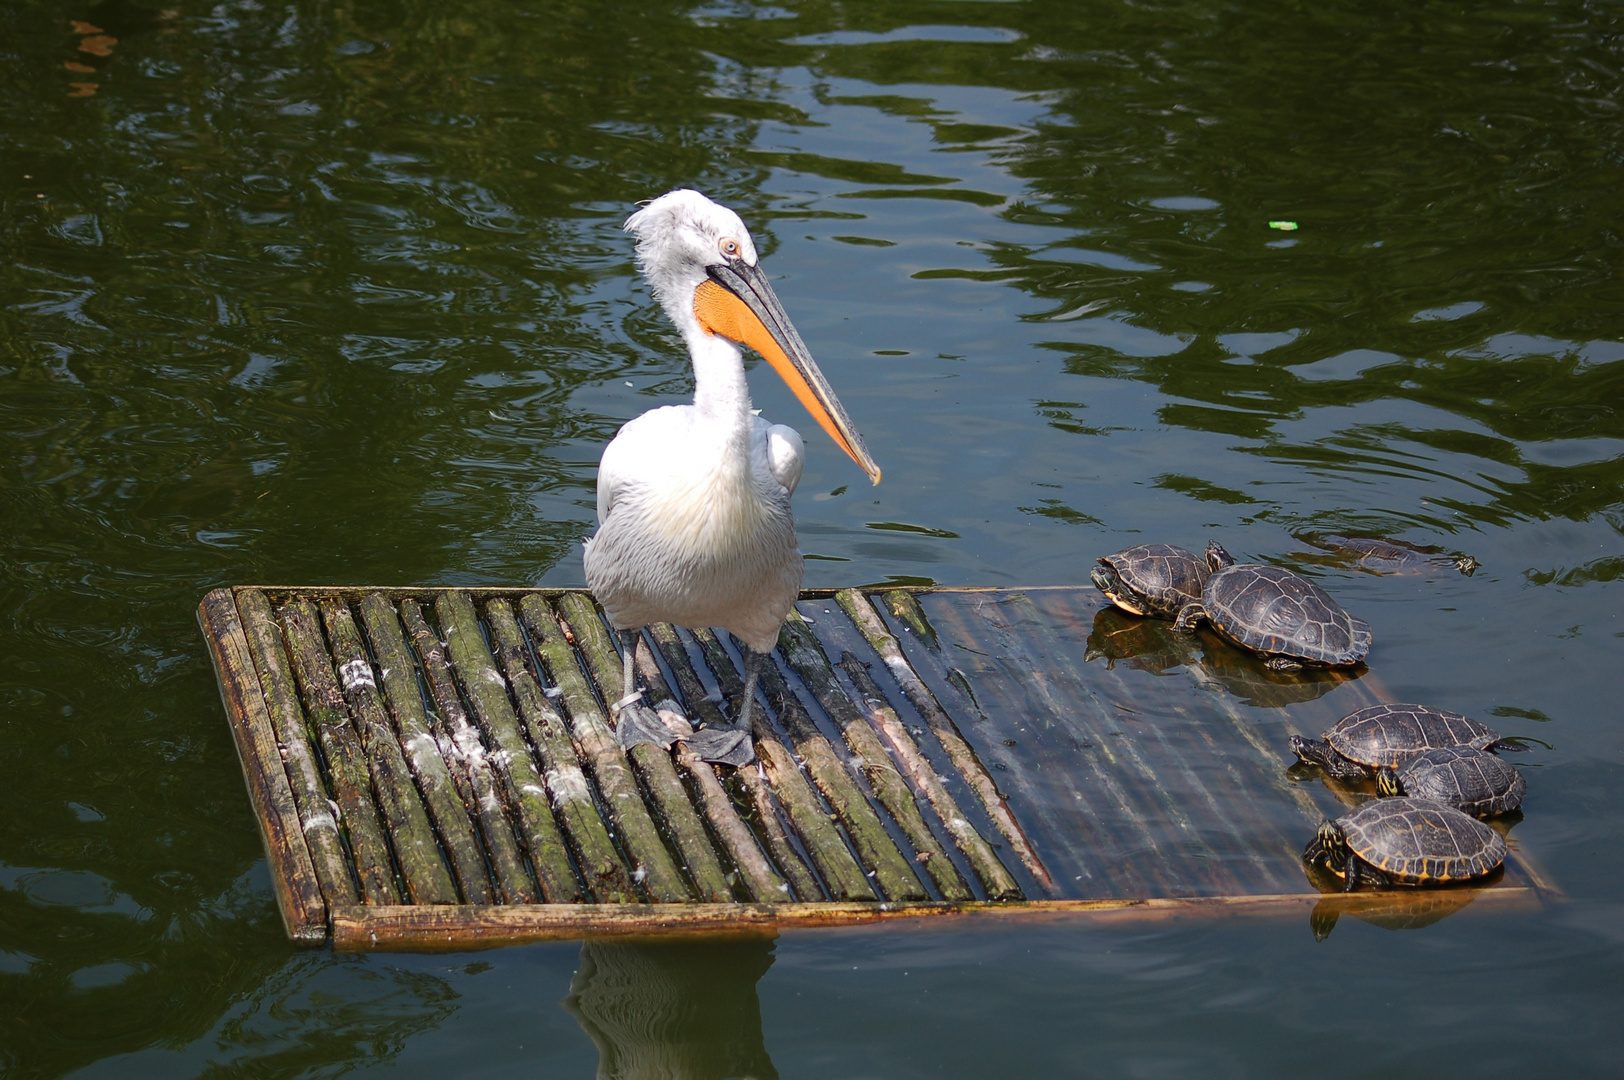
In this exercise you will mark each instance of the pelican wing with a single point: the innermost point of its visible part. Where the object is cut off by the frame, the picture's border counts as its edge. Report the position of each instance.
(640, 450)
(785, 452)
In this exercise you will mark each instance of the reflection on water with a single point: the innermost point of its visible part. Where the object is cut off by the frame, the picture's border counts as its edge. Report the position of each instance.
(87, 977)
(98, 31)
(1409, 909)
(1145, 644)
(1150, 645)
(681, 1011)
(1247, 676)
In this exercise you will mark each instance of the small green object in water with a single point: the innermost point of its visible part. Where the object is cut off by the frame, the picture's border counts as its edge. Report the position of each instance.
(1284, 226)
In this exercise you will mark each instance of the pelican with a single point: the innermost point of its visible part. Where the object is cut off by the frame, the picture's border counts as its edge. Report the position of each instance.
(694, 522)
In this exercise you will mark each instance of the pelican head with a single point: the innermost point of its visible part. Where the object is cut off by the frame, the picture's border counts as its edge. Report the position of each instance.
(703, 267)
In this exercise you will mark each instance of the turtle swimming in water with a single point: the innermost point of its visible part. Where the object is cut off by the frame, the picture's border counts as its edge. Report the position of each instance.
(1390, 556)
(1470, 780)
(1275, 612)
(1406, 841)
(1151, 579)
(1387, 736)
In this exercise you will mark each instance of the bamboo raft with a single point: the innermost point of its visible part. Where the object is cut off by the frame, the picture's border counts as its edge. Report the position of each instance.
(437, 768)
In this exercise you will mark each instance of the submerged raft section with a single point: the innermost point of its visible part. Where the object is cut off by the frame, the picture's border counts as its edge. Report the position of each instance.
(437, 768)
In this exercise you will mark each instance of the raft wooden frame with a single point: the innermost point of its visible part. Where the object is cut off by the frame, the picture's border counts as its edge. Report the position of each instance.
(309, 719)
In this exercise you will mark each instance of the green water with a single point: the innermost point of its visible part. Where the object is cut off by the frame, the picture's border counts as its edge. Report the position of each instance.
(336, 292)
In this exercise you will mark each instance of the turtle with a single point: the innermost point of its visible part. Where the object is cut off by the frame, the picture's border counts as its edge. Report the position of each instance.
(1387, 736)
(1380, 556)
(1151, 579)
(1469, 779)
(1275, 612)
(1406, 841)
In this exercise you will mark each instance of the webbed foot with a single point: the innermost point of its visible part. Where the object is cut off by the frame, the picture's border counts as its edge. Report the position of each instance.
(638, 723)
(724, 746)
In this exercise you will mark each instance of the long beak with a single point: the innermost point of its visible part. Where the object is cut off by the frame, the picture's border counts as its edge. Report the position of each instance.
(739, 304)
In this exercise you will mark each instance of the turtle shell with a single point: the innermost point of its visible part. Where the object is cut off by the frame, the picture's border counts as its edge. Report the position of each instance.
(1152, 579)
(1422, 842)
(1387, 736)
(1271, 610)
(1466, 778)
(1378, 554)
(1392, 556)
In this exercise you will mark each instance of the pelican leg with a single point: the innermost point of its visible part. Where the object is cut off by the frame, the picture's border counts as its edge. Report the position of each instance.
(752, 674)
(628, 662)
(732, 744)
(634, 721)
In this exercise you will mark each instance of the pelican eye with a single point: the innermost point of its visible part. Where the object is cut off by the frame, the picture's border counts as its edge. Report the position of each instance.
(730, 247)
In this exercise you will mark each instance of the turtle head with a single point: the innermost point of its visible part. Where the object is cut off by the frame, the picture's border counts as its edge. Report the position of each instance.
(1466, 564)
(1388, 783)
(1331, 838)
(1217, 557)
(1108, 581)
(1329, 848)
(1105, 577)
(1309, 751)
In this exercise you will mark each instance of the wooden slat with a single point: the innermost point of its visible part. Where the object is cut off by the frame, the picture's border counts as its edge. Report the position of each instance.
(522, 782)
(469, 758)
(607, 876)
(348, 776)
(890, 870)
(661, 879)
(327, 851)
(868, 621)
(995, 879)
(756, 878)
(1165, 823)
(842, 877)
(449, 929)
(298, 892)
(802, 882)
(417, 854)
(806, 656)
(398, 676)
(653, 763)
(1061, 792)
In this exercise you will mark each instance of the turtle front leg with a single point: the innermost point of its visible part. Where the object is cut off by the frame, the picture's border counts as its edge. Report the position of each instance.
(1283, 663)
(1315, 852)
(1351, 875)
(1189, 615)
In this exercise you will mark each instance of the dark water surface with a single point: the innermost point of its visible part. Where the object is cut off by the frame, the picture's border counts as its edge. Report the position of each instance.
(337, 293)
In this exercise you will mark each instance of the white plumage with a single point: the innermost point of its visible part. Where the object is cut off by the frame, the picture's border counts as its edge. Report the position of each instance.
(694, 521)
